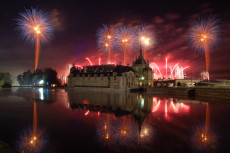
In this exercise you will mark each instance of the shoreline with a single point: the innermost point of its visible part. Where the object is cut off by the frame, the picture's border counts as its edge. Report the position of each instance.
(204, 93)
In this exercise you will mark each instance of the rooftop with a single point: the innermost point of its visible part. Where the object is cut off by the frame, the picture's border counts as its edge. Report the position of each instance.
(100, 69)
(140, 59)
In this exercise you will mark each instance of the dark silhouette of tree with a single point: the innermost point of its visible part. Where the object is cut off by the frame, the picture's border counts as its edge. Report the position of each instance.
(48, 75)
(37, 76)
(27, 78)
(20, 79)
(5, 79)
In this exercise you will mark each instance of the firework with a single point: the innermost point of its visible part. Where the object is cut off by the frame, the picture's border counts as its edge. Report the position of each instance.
(168, 105)
(105, 37)
(105, 132)
(34, 27)
(125, 39)
(89, 61)
(155, 67)
(99, 61)
(177, 72)
(204, 35)
(144, 38)
(28, 142)
(166, 62)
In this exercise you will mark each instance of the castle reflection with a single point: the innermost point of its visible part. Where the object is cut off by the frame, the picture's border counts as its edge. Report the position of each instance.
(116, 121)
(121, 117)
(39, 94)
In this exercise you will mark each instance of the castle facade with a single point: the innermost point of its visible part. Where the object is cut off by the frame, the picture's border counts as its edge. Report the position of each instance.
(111, 76)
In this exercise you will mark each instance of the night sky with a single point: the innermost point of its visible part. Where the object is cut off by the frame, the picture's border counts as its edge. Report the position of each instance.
(76, 23)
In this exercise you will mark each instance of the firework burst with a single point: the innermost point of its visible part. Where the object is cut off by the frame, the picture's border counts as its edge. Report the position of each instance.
(34, 22)
(125, 39)
(204, 35)
(28, 142)
(34, 27)
(105, 37)
(144, 38)
(204, 31)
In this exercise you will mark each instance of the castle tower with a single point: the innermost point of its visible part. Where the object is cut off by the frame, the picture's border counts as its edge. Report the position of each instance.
(143, 71)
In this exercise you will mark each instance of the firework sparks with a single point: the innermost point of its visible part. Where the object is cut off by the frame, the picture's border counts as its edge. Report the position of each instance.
(204, 34)
(99, 61)
(79, 66)
(153, 66)
(34, 22)
(177, 72)
(125, 40)
(105, 37)
(34, 27)
(203, 140)
(28, 142)
(144, 38)
(89, 61)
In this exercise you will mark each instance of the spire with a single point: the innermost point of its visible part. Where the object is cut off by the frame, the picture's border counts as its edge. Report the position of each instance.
(141, 51)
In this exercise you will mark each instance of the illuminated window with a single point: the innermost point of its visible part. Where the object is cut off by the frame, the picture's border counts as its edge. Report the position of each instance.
(142, 78)
(140, 83)
(142, 102)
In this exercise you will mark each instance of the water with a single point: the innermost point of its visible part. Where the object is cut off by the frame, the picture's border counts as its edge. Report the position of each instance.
(77, 121)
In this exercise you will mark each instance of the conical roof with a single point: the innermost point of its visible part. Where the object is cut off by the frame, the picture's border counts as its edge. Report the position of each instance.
(140, 59)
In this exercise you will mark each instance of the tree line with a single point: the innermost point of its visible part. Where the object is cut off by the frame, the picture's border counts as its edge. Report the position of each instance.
(48, 76)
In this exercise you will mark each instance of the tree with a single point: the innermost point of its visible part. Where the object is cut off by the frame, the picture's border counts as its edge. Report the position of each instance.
(50, 76)
(37, 76)
(5, 79)
(20, 79)
(27, 78)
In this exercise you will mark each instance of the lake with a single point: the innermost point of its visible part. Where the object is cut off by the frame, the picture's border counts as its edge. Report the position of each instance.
(60, 121)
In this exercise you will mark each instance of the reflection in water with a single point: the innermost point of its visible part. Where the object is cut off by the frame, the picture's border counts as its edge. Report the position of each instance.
(122, 121)
(114, 110)
(35, 121)
(38, 94)
(41, 93)
(30, 143)
(168, 106)
(33, 140)
(118, 104)
(204, 138)
(115, 127)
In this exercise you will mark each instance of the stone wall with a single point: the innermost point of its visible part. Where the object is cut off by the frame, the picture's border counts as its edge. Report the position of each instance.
(212, 92)
(209, 94)
(147, 74)
(125, 81)
(170, 91)
(184, 81)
